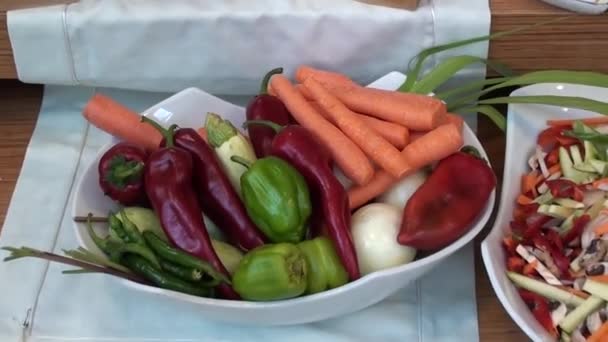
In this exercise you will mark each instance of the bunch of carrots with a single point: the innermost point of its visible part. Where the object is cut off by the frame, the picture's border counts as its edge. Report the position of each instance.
(376, 137)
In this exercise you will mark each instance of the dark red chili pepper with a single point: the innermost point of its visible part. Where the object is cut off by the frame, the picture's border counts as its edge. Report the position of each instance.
(553, 237)
(553, 137)
(265, 107)
(534, 224)
(297, 146)
(168, 180)
(121, 174)
(540, 310)
(552, 158)
(578, 225)
(560, 260)
(218, 198)
(564, 188)
(443, 208)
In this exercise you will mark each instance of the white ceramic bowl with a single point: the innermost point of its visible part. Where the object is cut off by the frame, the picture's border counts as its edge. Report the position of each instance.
(524, 122)
(188, 109)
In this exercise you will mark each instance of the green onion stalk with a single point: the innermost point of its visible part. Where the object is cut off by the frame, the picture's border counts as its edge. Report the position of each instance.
(473, 97)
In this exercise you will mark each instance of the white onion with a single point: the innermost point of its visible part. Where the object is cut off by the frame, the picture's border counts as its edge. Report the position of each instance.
(374, 229)
(399, 194)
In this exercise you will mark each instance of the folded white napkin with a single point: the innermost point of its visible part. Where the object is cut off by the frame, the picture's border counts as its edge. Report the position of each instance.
(224, 46)
(58, 307)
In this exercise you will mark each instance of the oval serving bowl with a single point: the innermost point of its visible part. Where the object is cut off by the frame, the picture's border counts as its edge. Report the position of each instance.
(188, 108)
(524, 123)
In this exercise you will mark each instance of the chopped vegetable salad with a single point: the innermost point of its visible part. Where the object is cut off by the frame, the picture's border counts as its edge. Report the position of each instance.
(557, 249)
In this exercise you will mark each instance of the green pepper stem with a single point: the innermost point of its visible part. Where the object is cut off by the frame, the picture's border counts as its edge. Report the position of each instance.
(129, 171)
(276, 127)
(266, 79)
(91, 218)
(168, 133)
(218, 130)
(23, 252)
(240, 160)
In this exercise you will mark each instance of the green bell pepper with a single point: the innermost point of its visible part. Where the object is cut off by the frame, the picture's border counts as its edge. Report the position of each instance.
(277, 199)
(325, 270)
(271, 272)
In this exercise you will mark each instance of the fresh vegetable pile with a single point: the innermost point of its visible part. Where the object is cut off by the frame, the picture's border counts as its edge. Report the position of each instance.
(327, 182)
(558, 242)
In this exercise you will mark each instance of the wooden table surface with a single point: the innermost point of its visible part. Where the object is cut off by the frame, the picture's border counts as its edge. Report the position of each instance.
(578, 44)
(20, 104)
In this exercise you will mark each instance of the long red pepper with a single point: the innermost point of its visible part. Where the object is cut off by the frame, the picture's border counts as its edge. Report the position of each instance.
(297, 146)
(265, 107)
(218, 199)
(168, 181)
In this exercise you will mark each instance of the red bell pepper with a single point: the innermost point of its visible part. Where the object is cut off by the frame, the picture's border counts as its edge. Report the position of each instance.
(121, 174)
(540, 310)
(560, 260)
(563, 188)
(443, 208)
(553, 137)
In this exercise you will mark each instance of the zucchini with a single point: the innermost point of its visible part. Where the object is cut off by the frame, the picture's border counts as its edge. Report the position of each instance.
(565, 337)
(545, 198)
(596, 288)
(580, 313)
(556, 211)
(545, 290)
(569, 203)
(577, 158)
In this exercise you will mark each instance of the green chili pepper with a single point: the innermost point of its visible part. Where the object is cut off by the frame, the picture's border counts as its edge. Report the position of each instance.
(176, 256)
(130, 229)
(277, 199)
(115, 248)
(271, 272)
(142, 267)
(325, 270)
(184, 273)
(116, 229)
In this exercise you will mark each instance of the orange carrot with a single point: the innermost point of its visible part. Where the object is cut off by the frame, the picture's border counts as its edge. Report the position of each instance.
(385, 155)
(601, 230)
(397, 135)
(433, 146)
(414, 111)
(328, 79)
(528, 183)
(600, 335)
(524, 200)
(347, 155)
(415, 135)
(554, 169)
(454, 119)
(599, 278)
(121, 122)
(594, 121)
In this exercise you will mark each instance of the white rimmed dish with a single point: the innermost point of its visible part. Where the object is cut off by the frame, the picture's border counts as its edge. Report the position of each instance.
(524, 123)
(188, 108)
